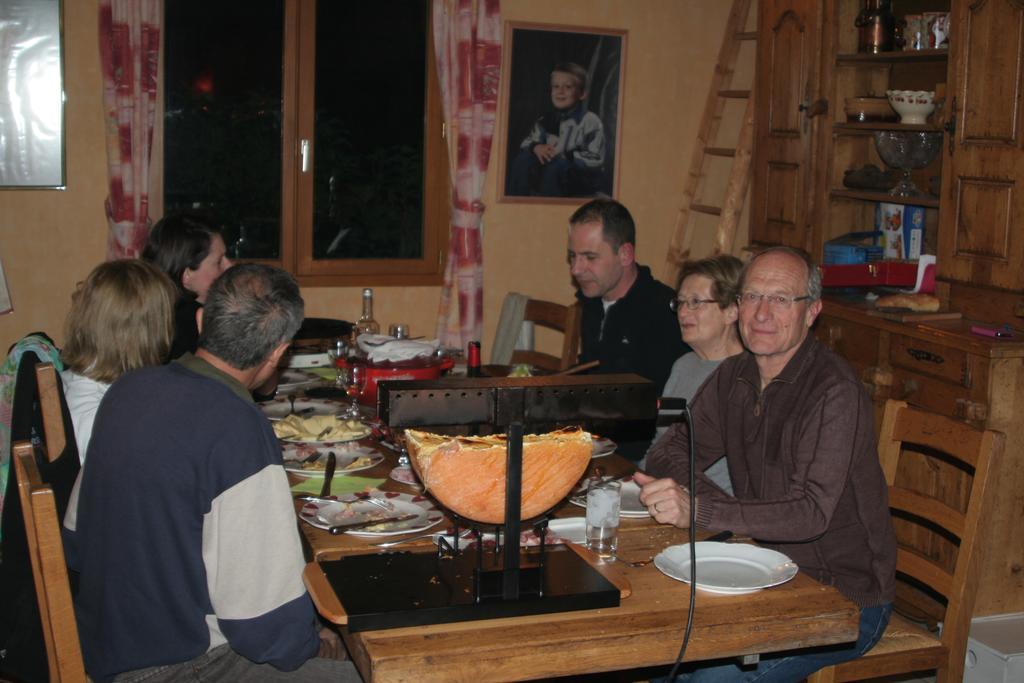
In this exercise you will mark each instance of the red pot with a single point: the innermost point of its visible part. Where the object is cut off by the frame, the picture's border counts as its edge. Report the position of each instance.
(427, 367)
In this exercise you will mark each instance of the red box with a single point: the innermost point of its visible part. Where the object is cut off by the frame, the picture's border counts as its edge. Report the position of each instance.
(893, 273)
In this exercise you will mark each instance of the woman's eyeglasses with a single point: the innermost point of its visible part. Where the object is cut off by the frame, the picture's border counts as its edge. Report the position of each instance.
(776, 301)
(691, 304)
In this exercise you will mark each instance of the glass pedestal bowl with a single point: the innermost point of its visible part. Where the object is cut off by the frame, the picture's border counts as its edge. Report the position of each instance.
(907, 151)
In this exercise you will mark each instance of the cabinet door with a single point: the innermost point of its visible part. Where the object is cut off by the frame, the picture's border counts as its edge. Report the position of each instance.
(981, 203)
(787, 100)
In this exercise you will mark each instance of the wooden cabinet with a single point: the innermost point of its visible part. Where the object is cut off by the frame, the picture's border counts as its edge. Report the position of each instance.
(942, 367)
(981, 202)
(787, 110)
(808, 66)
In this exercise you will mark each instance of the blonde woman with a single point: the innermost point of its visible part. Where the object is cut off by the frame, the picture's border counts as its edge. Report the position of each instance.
(121, 318)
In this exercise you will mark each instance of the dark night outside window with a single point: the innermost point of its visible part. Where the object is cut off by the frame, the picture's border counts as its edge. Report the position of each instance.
(227, 111)
(222, 118)
(370, 89)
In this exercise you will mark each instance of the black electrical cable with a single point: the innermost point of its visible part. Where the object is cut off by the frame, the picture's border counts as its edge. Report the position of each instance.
(685, 415)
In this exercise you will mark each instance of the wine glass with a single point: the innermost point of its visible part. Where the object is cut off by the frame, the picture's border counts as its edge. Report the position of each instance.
(908, 151)
(355, 381)
(336, 352)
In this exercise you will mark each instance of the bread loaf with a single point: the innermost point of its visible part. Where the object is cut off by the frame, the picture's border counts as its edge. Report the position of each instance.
(925, 303)
(467, 474)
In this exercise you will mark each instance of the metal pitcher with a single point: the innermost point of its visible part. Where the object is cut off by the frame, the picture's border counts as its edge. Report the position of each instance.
(876, 27)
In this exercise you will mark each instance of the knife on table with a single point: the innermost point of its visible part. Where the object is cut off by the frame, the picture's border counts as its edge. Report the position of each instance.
(342, 528)
(332, 460)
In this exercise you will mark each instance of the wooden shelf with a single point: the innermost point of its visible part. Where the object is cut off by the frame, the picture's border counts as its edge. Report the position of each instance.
(905, 56)
(872, 126)
(869, 196)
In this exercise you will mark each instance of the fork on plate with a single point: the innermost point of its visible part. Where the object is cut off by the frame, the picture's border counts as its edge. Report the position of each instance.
(379, 502)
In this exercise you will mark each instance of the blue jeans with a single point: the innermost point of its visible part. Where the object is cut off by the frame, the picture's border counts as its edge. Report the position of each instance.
(787, 668)
(557, 178)
(224, 664)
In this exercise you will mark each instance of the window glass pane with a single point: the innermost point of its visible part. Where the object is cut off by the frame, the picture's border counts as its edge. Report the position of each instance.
(222, 118)
(370, 95)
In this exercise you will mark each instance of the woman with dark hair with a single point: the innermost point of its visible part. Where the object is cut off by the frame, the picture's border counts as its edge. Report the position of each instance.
(191, 251)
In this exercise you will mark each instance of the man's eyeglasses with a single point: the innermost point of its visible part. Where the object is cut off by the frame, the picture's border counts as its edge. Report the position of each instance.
(692, 304)
(776, 301)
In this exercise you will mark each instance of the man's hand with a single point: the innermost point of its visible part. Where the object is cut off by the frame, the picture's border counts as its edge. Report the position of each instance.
(544, 153)
(331, 646)
(667, 501)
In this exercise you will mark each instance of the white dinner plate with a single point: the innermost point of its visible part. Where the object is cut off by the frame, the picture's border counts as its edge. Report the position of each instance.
(602, 447)
(293, 380)
(727, 568)
(631, 507)
(309, 360)
(324, 515)
(348, 458)
(349, 438)
(306, 407)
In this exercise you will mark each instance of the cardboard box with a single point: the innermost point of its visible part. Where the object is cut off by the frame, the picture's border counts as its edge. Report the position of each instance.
(854, 247)
(995, 650)
(902, 226)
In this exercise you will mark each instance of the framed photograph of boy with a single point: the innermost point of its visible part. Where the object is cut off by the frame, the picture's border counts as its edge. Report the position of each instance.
(562, 99)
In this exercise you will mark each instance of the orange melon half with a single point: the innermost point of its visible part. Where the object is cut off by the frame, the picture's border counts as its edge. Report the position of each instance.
(467, 474)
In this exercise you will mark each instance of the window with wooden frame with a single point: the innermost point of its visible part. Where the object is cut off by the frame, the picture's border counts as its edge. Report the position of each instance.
(312, 132)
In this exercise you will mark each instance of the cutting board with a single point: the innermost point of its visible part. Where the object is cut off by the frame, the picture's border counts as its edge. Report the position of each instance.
(905, 315)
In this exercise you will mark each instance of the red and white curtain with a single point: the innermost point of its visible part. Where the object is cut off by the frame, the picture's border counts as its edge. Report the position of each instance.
(129, 55)
(467, 42)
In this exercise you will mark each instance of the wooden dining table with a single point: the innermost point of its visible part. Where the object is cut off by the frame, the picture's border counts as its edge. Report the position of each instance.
(645, 630)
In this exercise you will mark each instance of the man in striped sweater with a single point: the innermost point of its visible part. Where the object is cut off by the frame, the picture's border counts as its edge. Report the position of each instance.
(186, 539)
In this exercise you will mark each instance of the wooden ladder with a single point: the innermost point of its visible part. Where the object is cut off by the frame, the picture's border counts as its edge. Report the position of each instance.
(739, 175)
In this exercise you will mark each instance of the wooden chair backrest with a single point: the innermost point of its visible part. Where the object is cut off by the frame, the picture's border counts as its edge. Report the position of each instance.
(63, 650)
(972, 449)
(564, 319)
(49, 404)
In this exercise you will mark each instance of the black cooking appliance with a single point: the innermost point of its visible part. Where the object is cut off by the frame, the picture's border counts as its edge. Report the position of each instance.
(487, 580)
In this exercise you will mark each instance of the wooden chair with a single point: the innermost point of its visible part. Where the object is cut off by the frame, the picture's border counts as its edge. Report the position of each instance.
(564, 319)
(49, 398)
(907, 647)
(39, 510)
(39, 415)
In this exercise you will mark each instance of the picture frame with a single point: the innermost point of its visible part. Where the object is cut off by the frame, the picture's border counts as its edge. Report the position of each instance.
(582, 133)
(32, 95)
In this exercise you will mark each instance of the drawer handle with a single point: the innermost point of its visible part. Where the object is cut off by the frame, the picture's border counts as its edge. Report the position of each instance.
(909, 389)
(971, 410)
(879, 377)
(926, 356)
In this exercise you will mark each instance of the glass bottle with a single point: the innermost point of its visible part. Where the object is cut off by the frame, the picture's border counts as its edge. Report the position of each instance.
(366, 324)
(473, 359)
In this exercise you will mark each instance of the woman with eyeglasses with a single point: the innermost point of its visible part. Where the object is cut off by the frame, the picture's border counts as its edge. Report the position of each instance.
(706, 309)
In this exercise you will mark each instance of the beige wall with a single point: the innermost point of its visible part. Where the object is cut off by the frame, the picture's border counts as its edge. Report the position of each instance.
(50, 240)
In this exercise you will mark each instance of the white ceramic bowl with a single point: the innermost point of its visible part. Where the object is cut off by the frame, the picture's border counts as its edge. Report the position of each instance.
(913, 106)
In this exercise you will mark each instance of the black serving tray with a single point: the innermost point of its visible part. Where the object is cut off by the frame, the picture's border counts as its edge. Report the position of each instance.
(414, 589)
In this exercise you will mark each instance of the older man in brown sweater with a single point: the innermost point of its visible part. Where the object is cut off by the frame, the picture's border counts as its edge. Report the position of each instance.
(796, 428)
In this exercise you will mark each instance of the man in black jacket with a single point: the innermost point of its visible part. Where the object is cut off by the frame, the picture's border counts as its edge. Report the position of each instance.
(627, 323)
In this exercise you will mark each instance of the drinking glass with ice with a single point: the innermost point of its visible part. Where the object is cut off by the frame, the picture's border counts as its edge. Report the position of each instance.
(604, 498)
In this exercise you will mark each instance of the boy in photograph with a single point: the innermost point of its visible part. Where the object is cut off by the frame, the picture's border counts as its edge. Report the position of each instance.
(564, 154)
